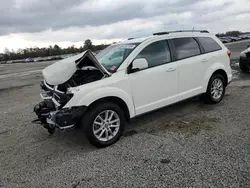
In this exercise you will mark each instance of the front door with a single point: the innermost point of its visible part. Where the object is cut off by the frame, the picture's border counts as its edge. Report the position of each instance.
(156, 86)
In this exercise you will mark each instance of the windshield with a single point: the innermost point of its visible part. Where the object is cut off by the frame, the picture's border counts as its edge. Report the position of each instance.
(113, 56)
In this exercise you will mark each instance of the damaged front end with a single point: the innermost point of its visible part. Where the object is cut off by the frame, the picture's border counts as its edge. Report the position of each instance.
(58, 78)
(50, 111)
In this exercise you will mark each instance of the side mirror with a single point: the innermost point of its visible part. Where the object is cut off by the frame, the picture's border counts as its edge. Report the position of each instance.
(139, 64)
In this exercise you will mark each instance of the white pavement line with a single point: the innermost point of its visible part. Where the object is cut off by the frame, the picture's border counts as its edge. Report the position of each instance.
(236, 42)
(19, 74)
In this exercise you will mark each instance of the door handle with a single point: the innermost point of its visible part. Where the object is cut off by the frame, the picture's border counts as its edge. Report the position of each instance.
(170, 69)
(204, 61)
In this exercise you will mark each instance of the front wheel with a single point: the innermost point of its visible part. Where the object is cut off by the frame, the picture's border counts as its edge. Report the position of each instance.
(215, 89)
(104, 124)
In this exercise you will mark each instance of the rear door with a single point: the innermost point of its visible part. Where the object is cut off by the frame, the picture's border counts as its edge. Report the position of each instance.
(211, 51)
(191, 66)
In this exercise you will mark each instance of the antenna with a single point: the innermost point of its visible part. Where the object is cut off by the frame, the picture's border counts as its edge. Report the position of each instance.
(193, 29)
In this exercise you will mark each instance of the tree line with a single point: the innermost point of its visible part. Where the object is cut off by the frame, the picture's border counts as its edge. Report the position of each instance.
(57, 50)
(49, 51)
(230, 33)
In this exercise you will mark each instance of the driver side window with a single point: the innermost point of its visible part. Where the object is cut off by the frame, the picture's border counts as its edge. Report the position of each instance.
(157, 53)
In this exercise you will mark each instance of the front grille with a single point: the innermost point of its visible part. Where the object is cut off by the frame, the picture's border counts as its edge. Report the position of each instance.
(61, 99)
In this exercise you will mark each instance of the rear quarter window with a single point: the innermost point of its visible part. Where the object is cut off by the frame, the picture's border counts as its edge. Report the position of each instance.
(186, 47)
(209, 44)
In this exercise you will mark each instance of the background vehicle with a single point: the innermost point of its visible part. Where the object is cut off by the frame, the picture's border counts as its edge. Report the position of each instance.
(234, 39)
(103, 92)
(9, 62)
(225, 39)
(244, 62)
(28, 60)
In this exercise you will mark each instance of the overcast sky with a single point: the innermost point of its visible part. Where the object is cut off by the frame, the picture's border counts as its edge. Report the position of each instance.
(26, 23)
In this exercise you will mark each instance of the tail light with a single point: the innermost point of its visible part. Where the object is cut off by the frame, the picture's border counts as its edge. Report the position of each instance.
(228, 53)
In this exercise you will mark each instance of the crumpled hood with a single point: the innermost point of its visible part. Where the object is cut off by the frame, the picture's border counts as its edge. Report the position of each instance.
(61, 71)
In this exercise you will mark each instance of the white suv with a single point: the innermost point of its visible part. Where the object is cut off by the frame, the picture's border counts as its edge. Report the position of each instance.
(101, 93)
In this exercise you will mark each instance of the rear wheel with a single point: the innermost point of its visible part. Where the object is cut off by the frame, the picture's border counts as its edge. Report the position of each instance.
(215, 89)
(104, 124)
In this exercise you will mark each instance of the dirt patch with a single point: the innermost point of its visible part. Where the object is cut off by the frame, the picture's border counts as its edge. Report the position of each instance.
(80, 182)
(206, 107)
(129, 133)
(4, 132)
(187, 127)
(165, 161)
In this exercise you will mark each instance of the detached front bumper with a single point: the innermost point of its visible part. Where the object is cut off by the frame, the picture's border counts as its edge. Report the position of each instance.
(50, 111)
(64, 118)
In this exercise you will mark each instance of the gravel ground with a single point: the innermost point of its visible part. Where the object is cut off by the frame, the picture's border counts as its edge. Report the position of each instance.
(185, 145)
(188, 144)
(237, 47)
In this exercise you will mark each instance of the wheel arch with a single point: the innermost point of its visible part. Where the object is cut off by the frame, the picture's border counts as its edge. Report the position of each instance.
(115, 95)
(116, 100)
(216, 69)
(207, 96)
(223, 73)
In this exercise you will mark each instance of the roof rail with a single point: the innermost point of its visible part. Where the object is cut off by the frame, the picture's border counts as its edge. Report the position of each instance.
(167, 32)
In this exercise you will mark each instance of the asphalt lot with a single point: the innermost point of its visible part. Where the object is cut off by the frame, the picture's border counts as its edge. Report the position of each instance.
(188, 144)
(237, 47)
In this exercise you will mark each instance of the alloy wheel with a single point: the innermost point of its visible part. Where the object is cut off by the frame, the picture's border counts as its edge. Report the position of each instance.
(217, 89)
(106, 125)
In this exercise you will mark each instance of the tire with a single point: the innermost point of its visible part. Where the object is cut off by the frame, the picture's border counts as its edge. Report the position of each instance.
(91, 116)
(243, 67)
(209, 97)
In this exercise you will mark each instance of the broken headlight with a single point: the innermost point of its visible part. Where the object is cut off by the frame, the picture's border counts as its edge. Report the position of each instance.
(61, 99)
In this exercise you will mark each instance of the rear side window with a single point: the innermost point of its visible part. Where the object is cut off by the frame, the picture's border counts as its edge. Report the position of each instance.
(209, 44)
(157, 53)
(186, 47)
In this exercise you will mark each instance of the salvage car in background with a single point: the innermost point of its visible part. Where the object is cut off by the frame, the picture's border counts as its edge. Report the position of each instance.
(225, 39)
(235, 38)
(245, 60)
(101, 93)
(28, 60)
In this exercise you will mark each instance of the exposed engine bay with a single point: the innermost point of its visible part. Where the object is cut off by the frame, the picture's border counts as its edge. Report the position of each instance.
(82, 76)
(58, 77)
